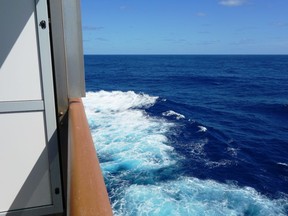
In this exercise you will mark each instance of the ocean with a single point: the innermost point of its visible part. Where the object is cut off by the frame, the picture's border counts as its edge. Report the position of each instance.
(191, 134)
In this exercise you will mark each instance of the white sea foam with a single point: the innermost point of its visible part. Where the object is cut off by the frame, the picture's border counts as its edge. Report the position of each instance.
(232, 151)
(283, 164)
(220, 163)
(202, 129)
(126, 134)
(117, 101)
(173, 113)
(191, 196)
(133, 146)
(197, 148)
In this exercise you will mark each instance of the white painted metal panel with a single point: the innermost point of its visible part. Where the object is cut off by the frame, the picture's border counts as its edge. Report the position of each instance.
(24, 166)
(29, 164)
(19, 59)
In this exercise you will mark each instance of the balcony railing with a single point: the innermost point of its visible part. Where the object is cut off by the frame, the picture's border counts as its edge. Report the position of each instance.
(87, 194)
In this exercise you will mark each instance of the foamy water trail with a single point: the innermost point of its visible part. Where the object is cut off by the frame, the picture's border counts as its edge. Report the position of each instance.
(140, 165)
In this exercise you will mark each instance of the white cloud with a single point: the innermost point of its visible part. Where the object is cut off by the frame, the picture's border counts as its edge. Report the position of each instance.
(232, 3)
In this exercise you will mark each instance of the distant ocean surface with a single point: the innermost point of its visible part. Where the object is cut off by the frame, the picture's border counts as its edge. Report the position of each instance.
(191, 134)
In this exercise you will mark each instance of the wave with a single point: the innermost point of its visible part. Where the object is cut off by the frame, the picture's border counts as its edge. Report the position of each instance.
(117, 101)
(142, 167)
(283, 164)
(173, 113)
(123, 132)
(202, 128)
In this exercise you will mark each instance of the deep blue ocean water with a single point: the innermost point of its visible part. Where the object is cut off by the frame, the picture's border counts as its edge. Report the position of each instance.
(191, 134)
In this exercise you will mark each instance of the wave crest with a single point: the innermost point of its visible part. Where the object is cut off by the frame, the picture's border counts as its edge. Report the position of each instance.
(117, 100)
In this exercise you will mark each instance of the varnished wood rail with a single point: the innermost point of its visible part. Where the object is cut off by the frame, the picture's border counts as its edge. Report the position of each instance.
(87, 194)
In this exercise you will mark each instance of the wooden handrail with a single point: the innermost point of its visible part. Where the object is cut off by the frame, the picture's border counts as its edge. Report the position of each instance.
(87, 191)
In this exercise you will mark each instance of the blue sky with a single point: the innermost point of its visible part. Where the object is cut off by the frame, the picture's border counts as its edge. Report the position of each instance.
(185, 26)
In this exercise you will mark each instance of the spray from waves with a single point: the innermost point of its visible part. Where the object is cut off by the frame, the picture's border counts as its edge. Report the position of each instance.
(140, 165)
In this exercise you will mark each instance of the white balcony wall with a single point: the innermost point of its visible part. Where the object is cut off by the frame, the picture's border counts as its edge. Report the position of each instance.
(29, 164)
(19, 58)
